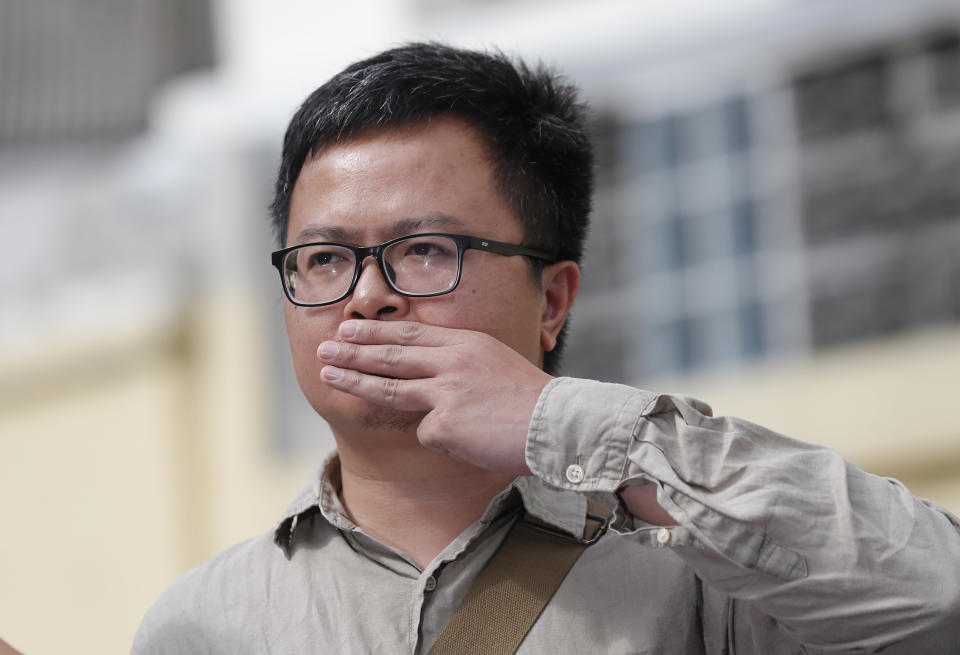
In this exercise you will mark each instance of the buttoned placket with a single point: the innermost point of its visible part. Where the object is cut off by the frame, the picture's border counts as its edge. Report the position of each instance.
(443, 584)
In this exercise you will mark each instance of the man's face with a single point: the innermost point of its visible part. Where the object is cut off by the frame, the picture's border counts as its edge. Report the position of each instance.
(432, 177)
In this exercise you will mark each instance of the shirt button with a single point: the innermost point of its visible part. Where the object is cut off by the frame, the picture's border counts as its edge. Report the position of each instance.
(663, 536)
(430, 584)
(575, 473)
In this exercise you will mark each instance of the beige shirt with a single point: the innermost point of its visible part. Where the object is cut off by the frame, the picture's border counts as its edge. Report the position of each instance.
(783, 548)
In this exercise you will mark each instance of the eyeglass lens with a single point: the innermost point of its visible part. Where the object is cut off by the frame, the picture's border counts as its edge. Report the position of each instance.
(419, 265)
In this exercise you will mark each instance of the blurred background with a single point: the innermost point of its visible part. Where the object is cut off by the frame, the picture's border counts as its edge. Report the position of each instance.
(776, 231)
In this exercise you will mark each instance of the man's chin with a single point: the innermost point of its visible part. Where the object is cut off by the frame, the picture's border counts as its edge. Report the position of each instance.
(346, 413)
(377, 417)
(357, 413)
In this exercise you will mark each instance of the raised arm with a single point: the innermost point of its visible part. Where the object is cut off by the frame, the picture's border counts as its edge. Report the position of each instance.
(841, 559)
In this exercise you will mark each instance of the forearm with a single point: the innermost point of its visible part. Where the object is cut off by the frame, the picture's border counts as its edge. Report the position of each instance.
(841, 559)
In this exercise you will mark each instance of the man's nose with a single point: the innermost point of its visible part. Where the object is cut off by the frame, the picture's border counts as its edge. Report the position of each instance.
(373, 297)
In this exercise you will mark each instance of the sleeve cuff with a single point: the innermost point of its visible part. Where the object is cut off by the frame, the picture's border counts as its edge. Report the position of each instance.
(581, 431)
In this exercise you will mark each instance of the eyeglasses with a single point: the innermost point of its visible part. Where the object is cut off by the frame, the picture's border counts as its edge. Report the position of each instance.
(418, 265)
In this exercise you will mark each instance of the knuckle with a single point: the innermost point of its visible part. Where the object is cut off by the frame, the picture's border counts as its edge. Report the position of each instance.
(475, 336)
(410, 331)
(439, 432)
(349, 353)
(391, 388)
(461, 360)
(371, 332)
(351, 380)
(484, 339)
(452, 385)
(393, 355)
(429, 435)
(442, 422)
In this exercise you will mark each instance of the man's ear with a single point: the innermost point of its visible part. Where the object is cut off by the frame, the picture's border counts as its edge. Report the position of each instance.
(559, 283)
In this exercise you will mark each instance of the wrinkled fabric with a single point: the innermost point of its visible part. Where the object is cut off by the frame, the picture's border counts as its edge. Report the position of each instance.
(782, 548)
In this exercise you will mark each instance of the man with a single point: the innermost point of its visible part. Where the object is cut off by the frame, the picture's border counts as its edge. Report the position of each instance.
(432, 205)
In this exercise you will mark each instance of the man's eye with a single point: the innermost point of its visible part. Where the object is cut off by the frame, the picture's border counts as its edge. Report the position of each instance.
(426, 249)
(324, 259)
(423, 249)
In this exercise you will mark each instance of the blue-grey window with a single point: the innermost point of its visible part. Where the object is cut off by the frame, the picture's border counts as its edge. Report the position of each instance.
(736, 125)
(752, 339)
(744, 226)
(651, 145)
(677, 338)
(668, 247)
(945, 52)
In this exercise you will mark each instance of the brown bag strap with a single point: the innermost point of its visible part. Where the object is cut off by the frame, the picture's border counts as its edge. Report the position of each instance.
(515, 585)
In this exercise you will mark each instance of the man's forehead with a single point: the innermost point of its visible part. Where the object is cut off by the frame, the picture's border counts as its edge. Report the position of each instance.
(367, 189)
(360, 231)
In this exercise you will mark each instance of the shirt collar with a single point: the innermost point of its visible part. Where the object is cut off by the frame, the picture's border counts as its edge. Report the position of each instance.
(563, 509)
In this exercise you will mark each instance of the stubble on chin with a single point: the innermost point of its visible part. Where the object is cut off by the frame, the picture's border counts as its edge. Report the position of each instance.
(379, 418)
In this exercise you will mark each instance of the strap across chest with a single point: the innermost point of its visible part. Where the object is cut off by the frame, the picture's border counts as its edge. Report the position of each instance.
(515, 585)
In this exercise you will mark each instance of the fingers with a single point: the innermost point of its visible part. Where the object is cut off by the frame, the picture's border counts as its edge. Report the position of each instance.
(391, 360)
(406, 333)
(389, 363)
(389, 392)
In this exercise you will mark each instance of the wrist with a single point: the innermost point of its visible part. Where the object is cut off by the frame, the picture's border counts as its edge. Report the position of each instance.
(641, 502)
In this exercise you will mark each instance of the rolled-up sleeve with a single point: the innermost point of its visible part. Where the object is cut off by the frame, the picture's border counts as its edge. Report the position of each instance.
(842, 560)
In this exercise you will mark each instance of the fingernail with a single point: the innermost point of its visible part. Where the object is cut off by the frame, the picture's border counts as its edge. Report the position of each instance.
(332, 373)
(348, 329)
(328, 350)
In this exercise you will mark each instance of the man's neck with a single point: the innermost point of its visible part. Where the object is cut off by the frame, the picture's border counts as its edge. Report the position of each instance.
(414, 499)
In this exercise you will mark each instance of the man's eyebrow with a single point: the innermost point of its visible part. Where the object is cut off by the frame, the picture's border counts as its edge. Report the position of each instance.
(321, 233)
(398, 228)
(429, 222)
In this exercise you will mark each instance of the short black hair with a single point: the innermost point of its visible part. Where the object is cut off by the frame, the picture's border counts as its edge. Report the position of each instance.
(531, 119)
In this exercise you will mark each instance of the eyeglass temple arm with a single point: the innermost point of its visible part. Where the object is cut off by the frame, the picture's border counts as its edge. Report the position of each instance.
(509, 249)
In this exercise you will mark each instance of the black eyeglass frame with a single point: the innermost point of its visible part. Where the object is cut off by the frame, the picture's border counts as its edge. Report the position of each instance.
(464, 242)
